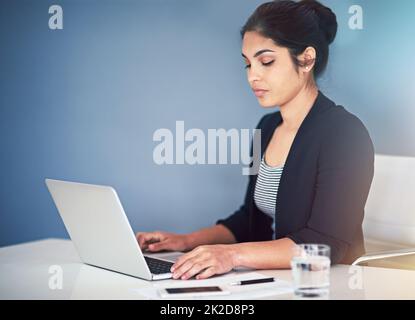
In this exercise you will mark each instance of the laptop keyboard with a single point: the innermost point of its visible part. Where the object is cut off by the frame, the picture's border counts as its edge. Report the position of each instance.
(158, 266)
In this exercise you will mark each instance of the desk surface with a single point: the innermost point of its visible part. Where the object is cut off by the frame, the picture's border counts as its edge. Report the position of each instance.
(26, 271)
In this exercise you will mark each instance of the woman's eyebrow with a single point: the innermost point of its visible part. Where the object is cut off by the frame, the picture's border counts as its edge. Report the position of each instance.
(259, 53)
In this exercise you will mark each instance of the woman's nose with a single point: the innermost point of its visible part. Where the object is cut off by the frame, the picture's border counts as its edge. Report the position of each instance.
(253, 75)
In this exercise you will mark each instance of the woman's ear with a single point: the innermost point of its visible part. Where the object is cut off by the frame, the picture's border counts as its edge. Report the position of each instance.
(307, 59)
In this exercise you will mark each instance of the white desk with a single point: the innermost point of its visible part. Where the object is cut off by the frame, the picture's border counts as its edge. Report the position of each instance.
(24, 274)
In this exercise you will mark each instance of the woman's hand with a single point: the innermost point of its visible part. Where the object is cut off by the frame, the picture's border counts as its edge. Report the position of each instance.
(205, 261)
(160, 240)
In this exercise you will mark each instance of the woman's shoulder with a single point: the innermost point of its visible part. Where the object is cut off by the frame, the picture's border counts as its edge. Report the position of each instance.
(339, 118)
(341, 127)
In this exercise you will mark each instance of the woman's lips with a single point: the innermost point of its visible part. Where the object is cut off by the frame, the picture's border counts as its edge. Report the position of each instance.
(260, 93)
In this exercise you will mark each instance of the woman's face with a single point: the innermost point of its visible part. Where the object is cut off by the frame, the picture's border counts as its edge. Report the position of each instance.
(270, 70)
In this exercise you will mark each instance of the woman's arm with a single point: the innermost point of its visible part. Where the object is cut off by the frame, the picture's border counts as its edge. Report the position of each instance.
(161, 240)
(211, 235)
(275, 254)
(205, 261)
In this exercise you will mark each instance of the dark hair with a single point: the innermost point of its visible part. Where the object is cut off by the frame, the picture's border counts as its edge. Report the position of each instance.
(296, 26)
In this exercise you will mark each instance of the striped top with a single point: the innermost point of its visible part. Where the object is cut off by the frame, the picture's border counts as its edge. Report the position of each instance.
(266, 189)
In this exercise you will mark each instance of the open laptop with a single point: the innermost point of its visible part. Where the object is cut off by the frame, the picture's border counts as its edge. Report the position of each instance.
(97, 224)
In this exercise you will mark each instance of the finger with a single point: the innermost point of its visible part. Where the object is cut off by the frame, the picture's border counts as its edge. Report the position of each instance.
(179, 262)
(141, 240)
(192, 254)
(147, 238)
(163, 245)
(206, 273)
(195, 269)
(184, 268)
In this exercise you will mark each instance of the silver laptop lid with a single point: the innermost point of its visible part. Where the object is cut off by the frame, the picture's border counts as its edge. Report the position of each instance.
(97, 224)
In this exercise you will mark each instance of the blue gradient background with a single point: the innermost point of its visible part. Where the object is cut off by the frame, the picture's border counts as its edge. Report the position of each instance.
(83, 103)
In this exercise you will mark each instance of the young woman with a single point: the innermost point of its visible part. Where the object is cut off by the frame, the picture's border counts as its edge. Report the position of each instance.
(317, 158)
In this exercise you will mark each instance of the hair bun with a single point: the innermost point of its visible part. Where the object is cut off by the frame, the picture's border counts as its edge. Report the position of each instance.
(327, 19)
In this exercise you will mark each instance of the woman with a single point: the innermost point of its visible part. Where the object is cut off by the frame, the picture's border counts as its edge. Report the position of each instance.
(316, 156)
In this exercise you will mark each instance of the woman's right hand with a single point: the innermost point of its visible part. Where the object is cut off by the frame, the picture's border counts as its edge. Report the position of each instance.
(160, 240)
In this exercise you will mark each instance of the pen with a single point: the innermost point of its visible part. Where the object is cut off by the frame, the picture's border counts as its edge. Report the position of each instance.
(244, 282)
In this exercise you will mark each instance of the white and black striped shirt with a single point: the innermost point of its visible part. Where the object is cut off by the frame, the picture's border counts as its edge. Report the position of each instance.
(266, 189)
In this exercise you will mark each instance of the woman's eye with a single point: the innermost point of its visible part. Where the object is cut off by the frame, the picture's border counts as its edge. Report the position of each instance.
(263, 63)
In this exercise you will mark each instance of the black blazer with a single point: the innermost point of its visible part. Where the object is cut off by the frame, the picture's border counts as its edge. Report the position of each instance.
(323, 187)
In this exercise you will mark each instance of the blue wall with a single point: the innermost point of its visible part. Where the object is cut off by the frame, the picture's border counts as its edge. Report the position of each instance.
(83, 103)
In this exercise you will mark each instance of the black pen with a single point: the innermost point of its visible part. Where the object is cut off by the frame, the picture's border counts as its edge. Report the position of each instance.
(244, 282)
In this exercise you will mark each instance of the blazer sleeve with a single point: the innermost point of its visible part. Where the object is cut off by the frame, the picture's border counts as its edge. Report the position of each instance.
(238, 222)
(344, 176)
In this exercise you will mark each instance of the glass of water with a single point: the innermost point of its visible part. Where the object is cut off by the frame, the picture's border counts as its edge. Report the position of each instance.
(310, 267)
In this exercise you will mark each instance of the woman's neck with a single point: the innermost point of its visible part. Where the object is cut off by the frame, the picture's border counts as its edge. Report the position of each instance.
(294, 111)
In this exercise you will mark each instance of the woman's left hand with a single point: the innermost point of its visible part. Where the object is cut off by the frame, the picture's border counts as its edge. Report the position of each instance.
(205, 261)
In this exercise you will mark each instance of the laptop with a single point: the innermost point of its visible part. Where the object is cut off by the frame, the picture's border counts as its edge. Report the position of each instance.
(97, 224)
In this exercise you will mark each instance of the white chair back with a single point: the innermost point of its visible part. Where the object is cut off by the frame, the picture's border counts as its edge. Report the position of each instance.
(390, 208)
